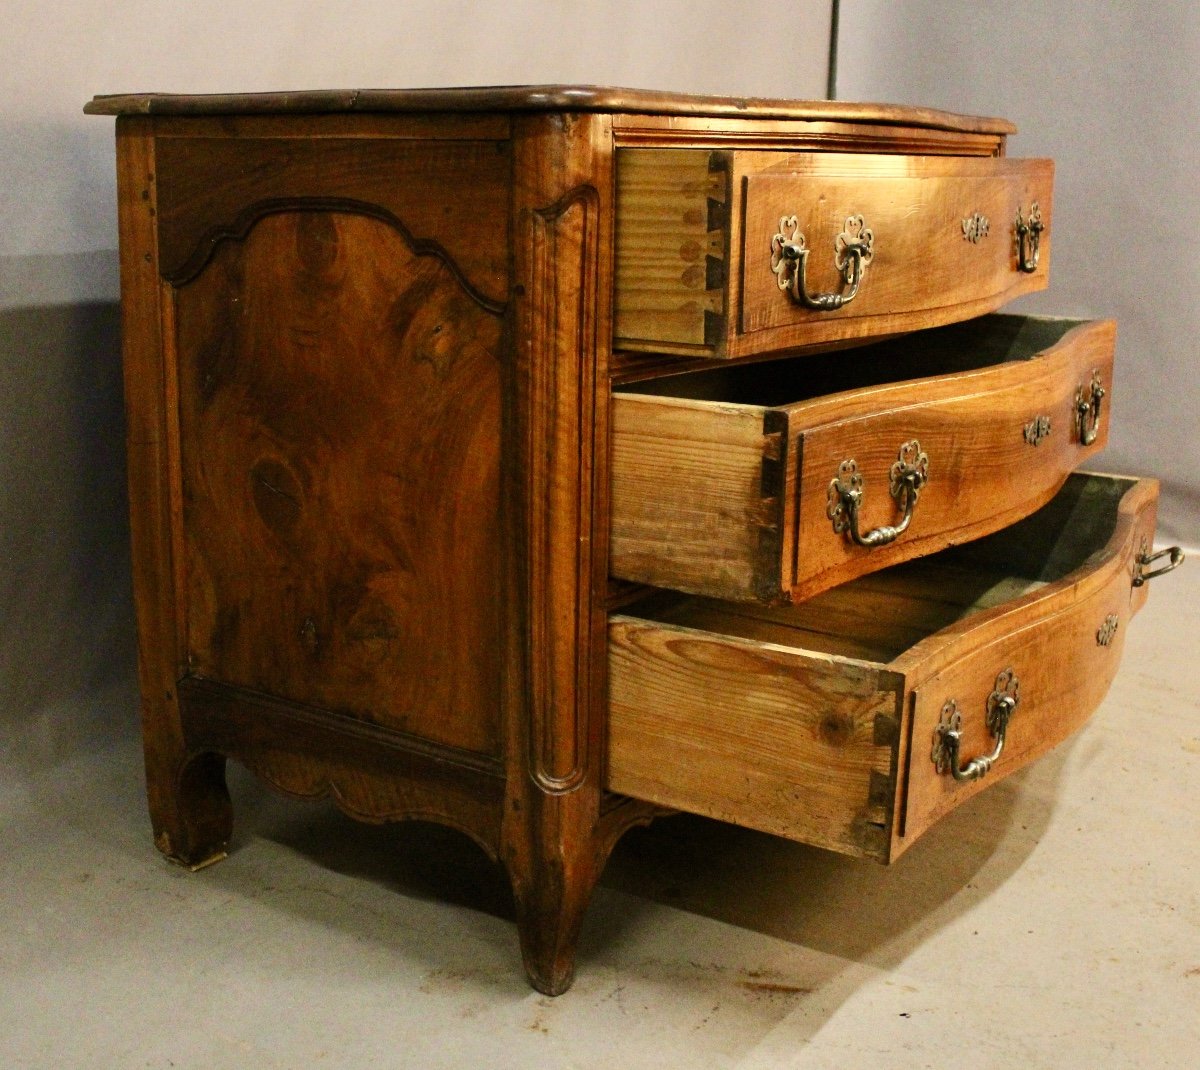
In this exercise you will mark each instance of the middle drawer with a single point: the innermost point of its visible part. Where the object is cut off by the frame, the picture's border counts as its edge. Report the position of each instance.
(772, 482)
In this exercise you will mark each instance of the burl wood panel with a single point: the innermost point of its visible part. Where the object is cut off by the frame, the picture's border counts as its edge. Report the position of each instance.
(216, 188)
(340, 422)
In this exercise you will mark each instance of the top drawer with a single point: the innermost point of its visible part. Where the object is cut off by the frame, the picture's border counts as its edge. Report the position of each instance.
(732, 253)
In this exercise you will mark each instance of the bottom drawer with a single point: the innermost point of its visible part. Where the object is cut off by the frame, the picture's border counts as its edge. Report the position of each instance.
(843, 721)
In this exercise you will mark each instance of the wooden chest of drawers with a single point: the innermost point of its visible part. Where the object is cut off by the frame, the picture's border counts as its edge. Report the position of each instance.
(514, 459)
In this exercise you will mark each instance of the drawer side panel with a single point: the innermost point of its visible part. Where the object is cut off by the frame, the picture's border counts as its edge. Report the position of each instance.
(672, 249)
(793, 744)
(697, 496)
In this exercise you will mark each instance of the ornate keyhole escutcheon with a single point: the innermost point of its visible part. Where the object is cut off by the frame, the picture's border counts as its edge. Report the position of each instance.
(1037, 429)
(975, 228)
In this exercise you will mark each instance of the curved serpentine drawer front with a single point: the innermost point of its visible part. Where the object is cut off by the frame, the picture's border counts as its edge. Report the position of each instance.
(772, 482)
(731, 253)
(842, 722)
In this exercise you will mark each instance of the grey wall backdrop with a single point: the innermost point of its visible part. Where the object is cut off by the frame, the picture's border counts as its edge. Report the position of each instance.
(66, 628)
(1110, 91)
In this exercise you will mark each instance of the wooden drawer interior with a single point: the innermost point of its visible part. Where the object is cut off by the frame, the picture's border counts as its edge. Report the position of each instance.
(721, 478)
(797, 720)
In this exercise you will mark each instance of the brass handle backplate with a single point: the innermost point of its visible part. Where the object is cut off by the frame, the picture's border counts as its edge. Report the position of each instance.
(853, 250)
(1087, 410)
(908, 475)
(1029, 238)
(947, 735)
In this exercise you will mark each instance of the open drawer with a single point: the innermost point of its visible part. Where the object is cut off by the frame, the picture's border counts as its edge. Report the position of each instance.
(730, 253)
(841, 722)
(772, 482)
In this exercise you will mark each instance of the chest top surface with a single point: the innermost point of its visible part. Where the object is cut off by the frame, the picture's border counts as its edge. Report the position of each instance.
(536, 98)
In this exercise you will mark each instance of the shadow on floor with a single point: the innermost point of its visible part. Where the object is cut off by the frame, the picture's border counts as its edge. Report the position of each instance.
(416, 859)
(852, 910)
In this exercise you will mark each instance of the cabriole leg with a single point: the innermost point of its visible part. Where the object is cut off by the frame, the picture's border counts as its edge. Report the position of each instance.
(550, 906)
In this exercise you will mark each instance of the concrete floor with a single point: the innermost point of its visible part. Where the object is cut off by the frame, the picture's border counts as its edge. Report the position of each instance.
(1052, 922)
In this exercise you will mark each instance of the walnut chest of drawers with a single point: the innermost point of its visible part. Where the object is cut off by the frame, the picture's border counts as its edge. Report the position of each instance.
(539, 460)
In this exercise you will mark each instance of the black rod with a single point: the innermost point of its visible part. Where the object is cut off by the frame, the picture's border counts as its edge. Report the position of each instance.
(831, 84)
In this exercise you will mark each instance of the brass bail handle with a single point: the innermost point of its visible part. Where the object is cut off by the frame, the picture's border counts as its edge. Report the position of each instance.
(907, 476)
(1029, 238)
(947, 735)
(1145, 558)
(853, 250)
(1087, 410)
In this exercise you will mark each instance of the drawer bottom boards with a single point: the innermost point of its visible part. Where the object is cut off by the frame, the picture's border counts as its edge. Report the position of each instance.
(832, 722)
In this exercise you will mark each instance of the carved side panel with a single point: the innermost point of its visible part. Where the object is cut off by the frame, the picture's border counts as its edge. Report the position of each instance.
(448, 197)
(340, 426)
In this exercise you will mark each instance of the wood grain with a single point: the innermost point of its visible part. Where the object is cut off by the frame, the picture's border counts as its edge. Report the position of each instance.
(217, 188)
(923, 273)
(696, 480)
(189, 805)
(1049, 639)
(672, 247)
(368, 358)
(370, 773)
(923, 265)
(555, 511)
(793, 743)
(535, 98)
(984, 474)
(340, 406)
(385, 126)
(795, 720)
(812, 135)
(688, 508)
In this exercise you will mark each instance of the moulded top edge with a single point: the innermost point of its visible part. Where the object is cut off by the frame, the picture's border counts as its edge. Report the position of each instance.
(536, 98)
